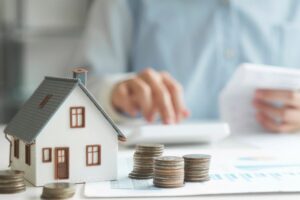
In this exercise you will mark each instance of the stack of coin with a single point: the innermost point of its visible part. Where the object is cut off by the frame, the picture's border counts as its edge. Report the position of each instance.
(144, 160)
(58, 190)
(169, 172)
(11, 181)
(196, 167)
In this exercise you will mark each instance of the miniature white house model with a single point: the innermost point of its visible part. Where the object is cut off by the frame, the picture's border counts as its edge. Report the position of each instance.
(62, 134)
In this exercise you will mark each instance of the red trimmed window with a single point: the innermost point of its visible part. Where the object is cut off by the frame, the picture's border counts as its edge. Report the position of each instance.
(46, 155)
(28, 154)
(16, 148)
(93, 155)
(77, 117)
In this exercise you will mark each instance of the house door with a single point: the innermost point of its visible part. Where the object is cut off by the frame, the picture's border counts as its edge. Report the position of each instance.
(62, 163)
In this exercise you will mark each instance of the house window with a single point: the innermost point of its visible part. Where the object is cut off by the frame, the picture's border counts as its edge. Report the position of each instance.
(46, 155)
(93, 155)
(16, 148)
(45, 100)
(28, 154)
(77, 117)
(61, 156)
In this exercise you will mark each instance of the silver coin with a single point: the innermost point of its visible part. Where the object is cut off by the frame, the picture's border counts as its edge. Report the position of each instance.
(197, 179)
(59, 188)
(148, 145)
(6, 174)
(195, 165)
(169, 159)
(57, 192)
(134, 176)
(168, 185)
(169, 178)
(60, 185)
(196, 156)
(60, 196)
(149, 151)
(12, 185)
(143, 158)
(168, 173)
(196, 171)
(168, 167)
(6, 181)
(12, 190)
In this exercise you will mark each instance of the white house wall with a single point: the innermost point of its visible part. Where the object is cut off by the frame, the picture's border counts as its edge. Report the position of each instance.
(19, 163)
(57, 133)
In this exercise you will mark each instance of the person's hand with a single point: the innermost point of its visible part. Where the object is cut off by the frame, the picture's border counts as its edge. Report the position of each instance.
(283, 118)
(151, 92)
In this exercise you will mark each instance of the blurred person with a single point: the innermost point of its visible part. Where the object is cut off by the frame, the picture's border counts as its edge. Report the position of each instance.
(172, 58)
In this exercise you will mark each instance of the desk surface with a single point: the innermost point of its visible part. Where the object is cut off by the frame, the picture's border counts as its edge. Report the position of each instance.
(230, 143)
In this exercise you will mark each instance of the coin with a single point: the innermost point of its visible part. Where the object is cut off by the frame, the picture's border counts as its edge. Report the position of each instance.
(11, 181)
(149, 146)
(166, 159)
(197, 157)
(143, 159)
(170, 185)
(205, 171)
(12, 190)
(60, 190)
(4, 174)
(168, 172)
(10, 185)
(133, 176)
(198, 179)
(196, 167)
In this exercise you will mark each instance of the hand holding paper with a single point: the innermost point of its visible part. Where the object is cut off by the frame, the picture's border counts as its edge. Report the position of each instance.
(265, 94)
(283, 118)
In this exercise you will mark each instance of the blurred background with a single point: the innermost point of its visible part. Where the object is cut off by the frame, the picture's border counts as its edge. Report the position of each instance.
(32, 32)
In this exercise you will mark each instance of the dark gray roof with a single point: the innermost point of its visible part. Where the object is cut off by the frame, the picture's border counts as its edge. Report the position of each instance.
(30, 120)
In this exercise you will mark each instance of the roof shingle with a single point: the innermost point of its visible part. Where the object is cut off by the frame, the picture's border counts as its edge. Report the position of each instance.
(30, 120)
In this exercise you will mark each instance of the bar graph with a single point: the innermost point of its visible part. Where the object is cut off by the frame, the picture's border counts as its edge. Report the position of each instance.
(253, 177)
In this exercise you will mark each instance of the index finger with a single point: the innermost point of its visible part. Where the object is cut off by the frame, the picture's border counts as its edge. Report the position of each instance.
(175, 90)
(160, 94)
(288, 97)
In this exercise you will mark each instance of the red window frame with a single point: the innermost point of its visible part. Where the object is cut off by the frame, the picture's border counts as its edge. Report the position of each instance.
(16, 148)
(49, 151)
(91, 150)
(75, 112)
(28, 154)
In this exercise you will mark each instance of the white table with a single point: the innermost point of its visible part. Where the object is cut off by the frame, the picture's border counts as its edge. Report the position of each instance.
(230, 143)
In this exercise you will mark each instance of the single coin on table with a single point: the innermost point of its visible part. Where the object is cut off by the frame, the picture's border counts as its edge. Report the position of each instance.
(62, 190)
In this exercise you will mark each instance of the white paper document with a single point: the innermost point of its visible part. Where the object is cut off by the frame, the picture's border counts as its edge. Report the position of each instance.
(232, 172)
(283, 141)
(236, 107)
